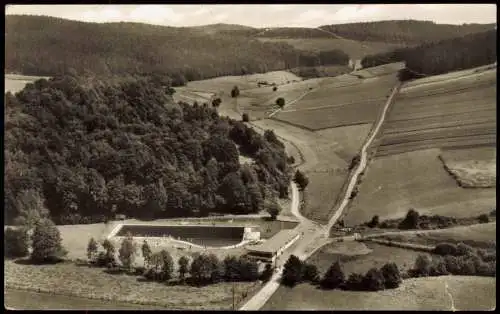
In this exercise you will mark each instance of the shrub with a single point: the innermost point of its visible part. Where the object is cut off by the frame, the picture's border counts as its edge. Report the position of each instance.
(334, 277)
(354, 282)
(92, 250)
(167, 265)
(280, 102)
(438, 267)
(483, 218)
(311, 273)
(292, 272)
(301, 179)
(451, 263)
(235, 92)
(127, 252)
(47, 243)
(464, 250)
(248, 269)
(410, 221)
(374, 222)
(15, 242)
(373, 280)
(392, 276)
(231, 268)
(146, 252)
(245, 117)
(267, 273)
(183, 267)
(493, 213)
(275, 88)
(290, 160)
(422, 265)
(445, 249)
(103, 260)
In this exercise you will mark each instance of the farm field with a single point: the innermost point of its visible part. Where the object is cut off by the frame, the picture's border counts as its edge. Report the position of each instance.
(480, 235)
(394, 184)
(469, 293)
(328, 154)
(181, 94)
(454, 112)
(82, 281)
(360, 257)
(341, 101)
(355, 49)
(473, 167)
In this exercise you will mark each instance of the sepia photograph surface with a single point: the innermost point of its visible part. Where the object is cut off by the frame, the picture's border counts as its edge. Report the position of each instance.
(250, 157)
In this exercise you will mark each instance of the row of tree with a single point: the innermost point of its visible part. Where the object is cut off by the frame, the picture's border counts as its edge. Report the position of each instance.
(413, 220)
(80, 149)
(296, 271)
(202, 269)
(440, 57)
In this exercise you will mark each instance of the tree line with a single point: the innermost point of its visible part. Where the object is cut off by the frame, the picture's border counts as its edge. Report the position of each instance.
(84, 149)
(440, 57)
(48, 46)
(407, 32)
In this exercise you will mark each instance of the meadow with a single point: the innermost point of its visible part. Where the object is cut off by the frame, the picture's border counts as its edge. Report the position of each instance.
(479, 235)
(340, 101)
(428, 293)
(452, 112)
(395, 183)
(68, 279)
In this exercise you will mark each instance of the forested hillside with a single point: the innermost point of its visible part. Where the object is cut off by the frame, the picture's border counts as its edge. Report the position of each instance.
(293, 32)
(46, 46)
(81, 149)
(448, 55)
(409, 32)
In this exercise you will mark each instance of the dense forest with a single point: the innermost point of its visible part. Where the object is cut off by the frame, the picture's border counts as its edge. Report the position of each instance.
(80, 149)
(408, 32)
(47, 46)
(448, 55)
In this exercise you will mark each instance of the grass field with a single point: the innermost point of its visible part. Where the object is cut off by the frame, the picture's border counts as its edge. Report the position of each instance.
(468, 293)
(29, 300)
(328, 154)
(480, 235)
(456, 111)
(82, 281)
(340, 101)
(473, 167)
(360, 257)
(394, 184)
(226, 83)
(355, 49)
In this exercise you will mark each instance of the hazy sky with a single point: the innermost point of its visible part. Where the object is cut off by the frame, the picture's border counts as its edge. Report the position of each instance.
(264, 15)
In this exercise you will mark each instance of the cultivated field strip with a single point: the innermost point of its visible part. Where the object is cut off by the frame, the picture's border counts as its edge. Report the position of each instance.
(340, 104)
(452, 113)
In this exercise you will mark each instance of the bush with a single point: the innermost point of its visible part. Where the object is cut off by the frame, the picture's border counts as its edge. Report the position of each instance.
(15, 242)
(373, 280)
(183, 267)
(275, 88)
(103, 260)
(374, 222)
(354, 282)
(445, 249)
(292, 272)
(392, 276)
(464, 250)
(311, 273)
(280, 102)
(127, 252)
(47, 243)
(422, 266)
(245, 117)
(410, 221)
(483, 218)
(92, 250)
(334, 277)
(267, 273)
(235, 92)
(301, 180)
(248, 269)
(290, 160)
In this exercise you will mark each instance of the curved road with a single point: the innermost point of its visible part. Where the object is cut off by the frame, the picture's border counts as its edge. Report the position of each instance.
(314, 236)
